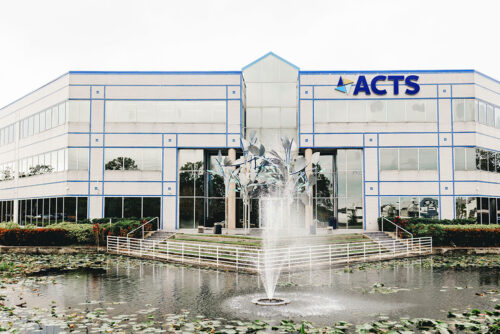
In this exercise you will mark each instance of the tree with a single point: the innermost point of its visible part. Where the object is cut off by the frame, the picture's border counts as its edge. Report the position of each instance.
(40, 169)
(121, 163)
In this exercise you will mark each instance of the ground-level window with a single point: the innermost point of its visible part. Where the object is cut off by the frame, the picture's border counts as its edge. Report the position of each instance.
(485, 210)
(42, 211)
(132, 207)
(409, 206)
(6, 211)
(338, 193)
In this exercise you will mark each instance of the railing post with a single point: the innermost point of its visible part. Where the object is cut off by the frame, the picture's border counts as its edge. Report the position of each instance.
(154, 254)
(407, 247)
(431, 243)
(379, 251)
(217, 256)
(117, 244)
(168, 246)
(364, 251)
(236, 258)
(347, 253)
(394, 246)
(199, 254)
(419, 246)
(140, 247)
(289, 258)
(258, 260)
(310, 258)
(128, 245)
(182, 253)
(330, 254)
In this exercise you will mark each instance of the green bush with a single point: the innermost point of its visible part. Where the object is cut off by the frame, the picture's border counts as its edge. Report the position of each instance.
(78, 233)
(9, 225)
(390, 228)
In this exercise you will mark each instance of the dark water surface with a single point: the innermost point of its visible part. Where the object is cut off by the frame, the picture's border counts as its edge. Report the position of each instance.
(323, 296)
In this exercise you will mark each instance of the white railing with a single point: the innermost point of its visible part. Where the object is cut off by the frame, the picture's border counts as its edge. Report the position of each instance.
(396, 226)
(253, 259)
(143, 225)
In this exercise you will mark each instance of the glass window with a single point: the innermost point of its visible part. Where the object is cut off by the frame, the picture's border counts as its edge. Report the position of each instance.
(470, 110)
(409, 206)
(70, 208)
(186, 212)
(491, 161)
(354, 183)
(48, 119)
(461, 207)
(151, 159)
(427, 159)
(408, 159)
(60, 160)
(497, 117)
(113, 207)
(497, 163)
(377, 111)
(354, 159)
(470, 156)
(460, 158)
(30, 126)
(62, 113)
(356, 111)
(415, 110)
(36, 123)
(458, 110)
(55, 116)
(82, 208)
(396, 111)
(389, 159)
(429, 207)
(490, 115)
(42, 121)
(482, 112)
(79, 111)
(151, 207)
(132, 207)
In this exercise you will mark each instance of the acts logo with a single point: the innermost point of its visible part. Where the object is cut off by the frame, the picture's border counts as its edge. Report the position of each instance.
(362, 85)
(344, 86)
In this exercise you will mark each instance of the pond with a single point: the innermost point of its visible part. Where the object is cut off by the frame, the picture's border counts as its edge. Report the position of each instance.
(128, 293)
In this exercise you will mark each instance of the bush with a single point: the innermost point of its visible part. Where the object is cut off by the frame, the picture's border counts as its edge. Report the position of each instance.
(9, 225)
(390, 228)
(78, 233)
(34, 237)
(472, 236)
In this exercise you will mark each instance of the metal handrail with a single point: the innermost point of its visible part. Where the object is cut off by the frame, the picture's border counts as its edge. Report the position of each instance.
(142, 227)
(397, 226)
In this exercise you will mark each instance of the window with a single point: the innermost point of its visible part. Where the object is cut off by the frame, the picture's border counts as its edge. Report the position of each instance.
(407, 206)
(166, 111)
(43, 211)
(133, 159)
(408, 159)
(54, 161)
(132, 207)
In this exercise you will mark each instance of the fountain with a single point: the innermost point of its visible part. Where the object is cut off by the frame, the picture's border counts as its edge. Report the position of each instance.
(280, 180)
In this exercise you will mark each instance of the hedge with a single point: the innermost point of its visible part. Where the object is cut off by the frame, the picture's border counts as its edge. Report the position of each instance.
(461, 235)
(34, 237)
(390, 228)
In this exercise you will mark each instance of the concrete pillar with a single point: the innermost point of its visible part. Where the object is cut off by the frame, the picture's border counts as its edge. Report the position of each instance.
(308, 208)
(15, 216)
(231, 199)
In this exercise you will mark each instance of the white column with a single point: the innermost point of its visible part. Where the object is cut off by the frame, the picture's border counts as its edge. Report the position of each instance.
(308, 208)
(231, 199)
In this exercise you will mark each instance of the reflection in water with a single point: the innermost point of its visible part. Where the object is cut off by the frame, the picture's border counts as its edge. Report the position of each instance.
(323, 296)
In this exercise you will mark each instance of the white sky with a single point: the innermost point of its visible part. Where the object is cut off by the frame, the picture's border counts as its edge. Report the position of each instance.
(40, 40)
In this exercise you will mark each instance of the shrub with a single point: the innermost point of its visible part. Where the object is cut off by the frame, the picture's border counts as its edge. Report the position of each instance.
(34, 237)
(9, 225)
(78, 233)
(473, 236)
(390, 228)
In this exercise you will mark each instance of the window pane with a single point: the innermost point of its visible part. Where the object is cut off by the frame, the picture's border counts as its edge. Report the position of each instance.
(409, 206)
(470, 156)
(62, 113)
(491, 161)
(113, 207)
(482, 113)
(389, 206)
(396, 111)
(388, 159)
(408, 159)
(428, 159)
(151, 207)
(497, 117)
(36, 123)
(55, 116)
(48, 119)
(70, 208)
(186, 212)
(490, 115)
(429, 207)
(461, 207)
(132, 207)
(430, 111)
(152, 159)
(354, 183)
(354, 159)
(470, 110)
(458, 110)
(460, 158)
(415, 111)
(376, 111)
(356, 111)
(42, 121)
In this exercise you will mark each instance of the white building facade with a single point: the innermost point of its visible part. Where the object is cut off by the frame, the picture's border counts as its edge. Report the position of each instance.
(140, 144)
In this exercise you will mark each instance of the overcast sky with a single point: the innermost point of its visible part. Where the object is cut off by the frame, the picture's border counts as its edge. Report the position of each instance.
(41, 40)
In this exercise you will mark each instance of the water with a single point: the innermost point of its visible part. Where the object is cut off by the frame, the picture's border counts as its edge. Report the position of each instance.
(322, 296)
